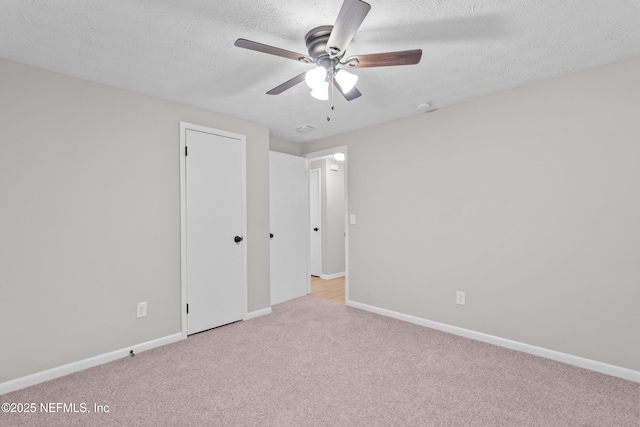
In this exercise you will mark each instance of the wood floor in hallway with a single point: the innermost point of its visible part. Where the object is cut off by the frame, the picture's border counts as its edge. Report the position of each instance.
(331, 289)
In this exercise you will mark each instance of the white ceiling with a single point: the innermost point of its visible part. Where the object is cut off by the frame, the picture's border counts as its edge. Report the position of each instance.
(182, 50)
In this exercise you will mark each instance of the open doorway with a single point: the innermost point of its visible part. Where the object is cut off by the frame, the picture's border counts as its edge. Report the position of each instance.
(329, 289)
(328, 253)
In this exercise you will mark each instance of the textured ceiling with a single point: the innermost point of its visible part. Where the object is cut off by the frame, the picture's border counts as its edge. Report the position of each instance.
(182, 50)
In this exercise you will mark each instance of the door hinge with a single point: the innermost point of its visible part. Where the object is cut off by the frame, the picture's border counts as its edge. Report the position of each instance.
(187, 308)
(186, 151)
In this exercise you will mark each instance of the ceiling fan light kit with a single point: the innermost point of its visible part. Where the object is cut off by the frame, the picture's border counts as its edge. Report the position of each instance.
(327, 46)
(346, 80)
(321, 92)
(316, 77)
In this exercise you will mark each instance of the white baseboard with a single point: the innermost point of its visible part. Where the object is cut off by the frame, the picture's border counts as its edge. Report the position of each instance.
(581, 362)
(60, 371)
(332, 276)
(258, 313)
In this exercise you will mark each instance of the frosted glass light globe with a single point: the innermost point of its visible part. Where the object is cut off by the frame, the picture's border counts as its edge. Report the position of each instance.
(316, 77)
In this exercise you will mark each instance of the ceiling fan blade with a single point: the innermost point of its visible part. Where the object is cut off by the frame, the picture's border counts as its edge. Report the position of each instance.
(349, 96)
(387, 59)
(347, 23)
(287, 85)
(271, 50)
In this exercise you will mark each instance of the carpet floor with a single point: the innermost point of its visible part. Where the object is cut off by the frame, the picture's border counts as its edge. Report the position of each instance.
(319, 363)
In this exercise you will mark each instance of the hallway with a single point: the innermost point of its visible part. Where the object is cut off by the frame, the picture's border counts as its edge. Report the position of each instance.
(332, 289)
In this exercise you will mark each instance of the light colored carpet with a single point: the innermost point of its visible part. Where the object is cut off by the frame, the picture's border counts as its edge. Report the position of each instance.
(318, 363)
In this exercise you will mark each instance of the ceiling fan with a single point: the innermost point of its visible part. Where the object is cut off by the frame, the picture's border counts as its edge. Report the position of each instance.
(327, 46)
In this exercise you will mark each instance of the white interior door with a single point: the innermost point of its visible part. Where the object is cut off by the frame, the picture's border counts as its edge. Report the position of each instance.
(289, 218)
(214, 226)
(315, 237)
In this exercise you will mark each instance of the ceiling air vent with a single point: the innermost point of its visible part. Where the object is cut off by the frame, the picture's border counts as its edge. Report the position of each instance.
(305, 128)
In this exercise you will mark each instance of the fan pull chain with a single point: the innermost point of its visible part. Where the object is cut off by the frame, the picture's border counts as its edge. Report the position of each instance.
(331, 101)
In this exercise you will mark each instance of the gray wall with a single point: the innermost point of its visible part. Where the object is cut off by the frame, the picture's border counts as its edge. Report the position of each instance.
(89, 188)
(287, 147)
(332, 213)
(527, 200)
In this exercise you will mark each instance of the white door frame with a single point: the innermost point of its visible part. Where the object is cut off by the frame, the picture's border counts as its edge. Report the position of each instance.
(319, 214)
(184, 126)
(329, 153)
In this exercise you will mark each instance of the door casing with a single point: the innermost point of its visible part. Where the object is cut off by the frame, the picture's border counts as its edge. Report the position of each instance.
(315, 237)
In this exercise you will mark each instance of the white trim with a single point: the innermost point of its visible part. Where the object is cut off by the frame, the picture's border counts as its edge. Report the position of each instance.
(80, 365)
(347, 231)
(581, 362)
(308, 228)
(258, 313)
(245, 291)
(183, 229)
(309, 261)
(332, 276)
(184, 126)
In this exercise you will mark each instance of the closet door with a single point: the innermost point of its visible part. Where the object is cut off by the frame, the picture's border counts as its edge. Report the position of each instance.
(289, 218)
(215, 235)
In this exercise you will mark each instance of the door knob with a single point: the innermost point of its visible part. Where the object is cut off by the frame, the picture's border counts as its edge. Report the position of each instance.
(237, 239)
(271, 235)
(315, 229)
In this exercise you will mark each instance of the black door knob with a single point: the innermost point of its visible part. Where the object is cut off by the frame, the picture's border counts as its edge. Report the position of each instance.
(237, 239)
(315, 229)
(271, 235)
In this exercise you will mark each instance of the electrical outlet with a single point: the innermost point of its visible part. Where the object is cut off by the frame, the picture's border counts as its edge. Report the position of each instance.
(460, 298)
(141, 310)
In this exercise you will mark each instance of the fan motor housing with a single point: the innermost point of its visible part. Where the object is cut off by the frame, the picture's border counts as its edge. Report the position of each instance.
(316, 41)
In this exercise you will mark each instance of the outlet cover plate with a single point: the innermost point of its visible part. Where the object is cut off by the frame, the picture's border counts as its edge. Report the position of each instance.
(141, 310)
(460, 298)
